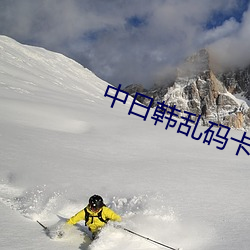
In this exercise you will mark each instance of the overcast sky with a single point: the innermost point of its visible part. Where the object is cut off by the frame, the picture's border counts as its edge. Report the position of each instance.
(131, 41)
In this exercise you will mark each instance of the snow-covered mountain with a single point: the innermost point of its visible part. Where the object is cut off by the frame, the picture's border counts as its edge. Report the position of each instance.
(237, 81)
(60, 142)
(198, 88)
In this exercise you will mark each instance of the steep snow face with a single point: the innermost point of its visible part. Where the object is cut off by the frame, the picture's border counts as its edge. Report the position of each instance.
(61, 142)
(30, 74)
(38, 69)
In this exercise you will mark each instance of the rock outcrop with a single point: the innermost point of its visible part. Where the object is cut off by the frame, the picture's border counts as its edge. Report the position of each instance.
(197, 89)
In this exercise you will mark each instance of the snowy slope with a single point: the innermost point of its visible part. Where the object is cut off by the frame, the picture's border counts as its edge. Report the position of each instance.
(61, 142)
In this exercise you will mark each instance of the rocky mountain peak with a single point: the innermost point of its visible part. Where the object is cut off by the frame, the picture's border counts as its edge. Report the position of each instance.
(199, 90)
(197, 64)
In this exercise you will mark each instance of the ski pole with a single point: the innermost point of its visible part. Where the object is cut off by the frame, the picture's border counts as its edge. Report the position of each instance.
(146, 238)
(45, 228)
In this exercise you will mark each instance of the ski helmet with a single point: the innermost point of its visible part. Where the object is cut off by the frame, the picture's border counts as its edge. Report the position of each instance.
(95, 202)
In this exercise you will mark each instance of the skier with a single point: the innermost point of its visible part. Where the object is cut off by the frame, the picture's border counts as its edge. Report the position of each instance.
(95, 214)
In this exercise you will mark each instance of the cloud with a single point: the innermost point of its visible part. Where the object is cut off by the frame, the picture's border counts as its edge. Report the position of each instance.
(228, 28)
(125, 41)
(233, 49)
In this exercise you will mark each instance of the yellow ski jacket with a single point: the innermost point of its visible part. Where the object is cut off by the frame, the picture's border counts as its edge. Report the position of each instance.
(94, 223)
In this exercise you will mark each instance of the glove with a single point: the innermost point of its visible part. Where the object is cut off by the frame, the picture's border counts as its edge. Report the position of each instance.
(60, 234)
(62, 229)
